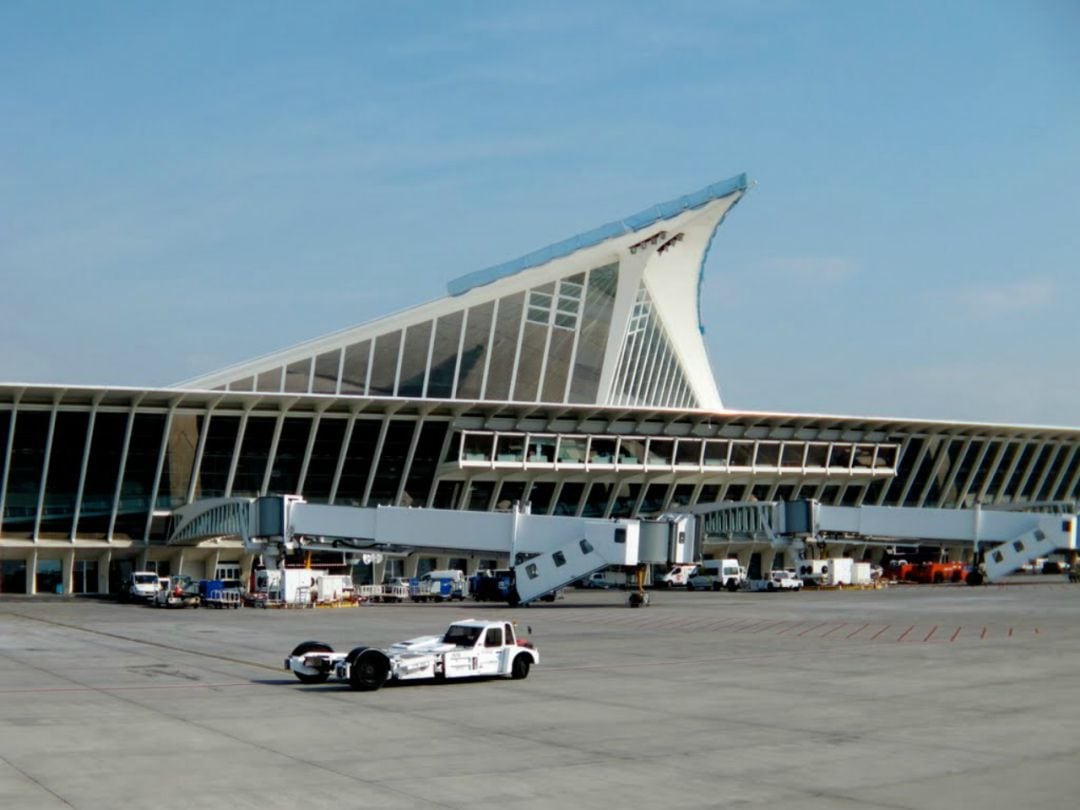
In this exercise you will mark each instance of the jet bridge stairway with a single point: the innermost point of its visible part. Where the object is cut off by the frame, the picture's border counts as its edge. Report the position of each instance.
(546, 573)
(1009, 556)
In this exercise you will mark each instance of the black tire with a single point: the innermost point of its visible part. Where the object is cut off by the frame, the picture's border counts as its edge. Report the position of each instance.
(307, 647)
(938, 579)
(732, 586)
(368, 669)
(689, 586)
(975, 578)
(519, 670)
(771, 586)
(716, 586)
(513, 598)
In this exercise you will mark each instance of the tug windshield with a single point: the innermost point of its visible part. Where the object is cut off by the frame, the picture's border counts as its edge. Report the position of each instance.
(462, 635)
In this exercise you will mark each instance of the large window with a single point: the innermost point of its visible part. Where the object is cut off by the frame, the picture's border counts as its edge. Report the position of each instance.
(504, 347)
(254, 455)
(384, 364)
(391, 463)
(65, 466)
(298, 376)
(218, 450)
(592, 340)
(106, 449)
(425, 460)
(179, 460)
(292, 444)
(139, 469)
(324, 380)
(269, 381)
(324, 459)
(25, 472)
(474, 350)
(354, 372)
(569, 498)
(444, 356)
(414, 360)
(358, 458)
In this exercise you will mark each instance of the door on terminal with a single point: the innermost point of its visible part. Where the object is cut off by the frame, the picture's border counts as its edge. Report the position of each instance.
(754, 569)
(84, 577)
(119, 574)
(13, 576)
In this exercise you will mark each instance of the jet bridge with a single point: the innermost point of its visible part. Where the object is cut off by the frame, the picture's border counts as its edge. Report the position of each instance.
(546, 552)
(1004, 538)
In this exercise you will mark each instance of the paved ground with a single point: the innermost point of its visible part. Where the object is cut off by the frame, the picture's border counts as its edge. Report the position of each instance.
(915, 697)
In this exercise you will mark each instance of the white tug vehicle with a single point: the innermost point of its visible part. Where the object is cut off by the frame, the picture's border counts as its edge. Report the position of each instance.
(468, 649)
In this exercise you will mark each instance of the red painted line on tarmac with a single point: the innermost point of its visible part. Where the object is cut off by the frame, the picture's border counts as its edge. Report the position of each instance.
(932, 631)
(789, 628)
(1036, 631)
(983, 633)
(752, 624)
(842, 624)
(814, 627)
(856, 632)
(879, 632)
(904, 634)
(129, 688)
(767, 626)
(954, 635)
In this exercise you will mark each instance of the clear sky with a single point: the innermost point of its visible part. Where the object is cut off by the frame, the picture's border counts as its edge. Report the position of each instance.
(186, 185)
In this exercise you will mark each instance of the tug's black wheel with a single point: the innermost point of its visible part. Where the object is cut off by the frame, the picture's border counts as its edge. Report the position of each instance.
(368, 669)
(309, 647)
(519, 670)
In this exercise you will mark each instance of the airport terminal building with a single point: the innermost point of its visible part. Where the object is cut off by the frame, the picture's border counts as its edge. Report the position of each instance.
(574, 379)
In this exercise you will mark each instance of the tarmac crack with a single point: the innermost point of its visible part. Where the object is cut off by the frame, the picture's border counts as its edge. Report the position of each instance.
(30, 777)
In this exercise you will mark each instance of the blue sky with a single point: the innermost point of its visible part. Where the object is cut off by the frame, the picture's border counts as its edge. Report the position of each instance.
(186, 185)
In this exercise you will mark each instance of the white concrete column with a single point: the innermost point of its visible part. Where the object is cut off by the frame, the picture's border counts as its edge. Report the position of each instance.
(247, 563)
(378, 572)
(411, 563)
(103, 571)
(31, 572)
(442, 563)
(176, 563)
(210, 564)
(67, 571)
(768, 561)
(472, 565)
(142, 559)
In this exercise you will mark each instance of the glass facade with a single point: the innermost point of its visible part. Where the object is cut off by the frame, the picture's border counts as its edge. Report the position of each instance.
(648, 372)
(99, 474)
(544, 344)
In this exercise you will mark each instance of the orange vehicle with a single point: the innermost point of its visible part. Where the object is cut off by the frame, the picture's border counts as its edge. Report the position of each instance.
(900, 570)
(934, 572)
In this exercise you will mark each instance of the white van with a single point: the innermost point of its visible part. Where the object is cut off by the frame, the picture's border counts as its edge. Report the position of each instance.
(726, 573)
(677, 577)
(144, 585)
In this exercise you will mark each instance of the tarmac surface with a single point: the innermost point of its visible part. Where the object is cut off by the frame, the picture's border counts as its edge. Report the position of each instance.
(910, 697)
